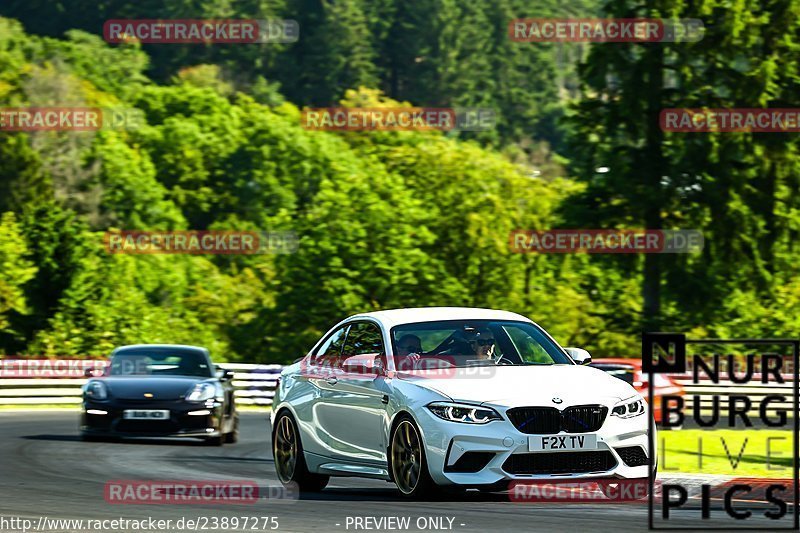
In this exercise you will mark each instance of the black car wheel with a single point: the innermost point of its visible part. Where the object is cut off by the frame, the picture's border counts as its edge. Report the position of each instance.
(233, 436)
(215, 441)
(290, 462)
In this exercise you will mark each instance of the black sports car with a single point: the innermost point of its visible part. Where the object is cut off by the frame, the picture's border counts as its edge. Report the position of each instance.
(160, 390)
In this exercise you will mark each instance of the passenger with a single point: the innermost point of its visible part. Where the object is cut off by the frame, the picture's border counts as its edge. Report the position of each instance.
(409, 344)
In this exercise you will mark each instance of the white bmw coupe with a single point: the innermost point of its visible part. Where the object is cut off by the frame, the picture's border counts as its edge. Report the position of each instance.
(452, 397)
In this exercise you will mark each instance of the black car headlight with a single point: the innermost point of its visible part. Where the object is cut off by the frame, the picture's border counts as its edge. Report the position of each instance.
(201, 392)
(459, 412)
(629, 408)
(95, 390)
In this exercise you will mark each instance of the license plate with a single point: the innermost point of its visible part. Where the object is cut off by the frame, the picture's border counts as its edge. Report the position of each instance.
(146, 414)
(545, 443)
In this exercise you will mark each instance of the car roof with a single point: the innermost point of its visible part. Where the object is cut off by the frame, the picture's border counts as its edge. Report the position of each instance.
(396, 317)
(158, 346)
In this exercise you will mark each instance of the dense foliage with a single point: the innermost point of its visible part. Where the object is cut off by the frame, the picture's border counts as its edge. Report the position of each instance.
(391, 219)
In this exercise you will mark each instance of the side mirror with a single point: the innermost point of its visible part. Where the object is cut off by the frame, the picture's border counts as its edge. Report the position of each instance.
(224, 374)
(579, 355)
(96, 371)
(368, 364)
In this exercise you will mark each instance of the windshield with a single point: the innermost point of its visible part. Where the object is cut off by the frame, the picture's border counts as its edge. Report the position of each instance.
(161, 362)
(473, 342)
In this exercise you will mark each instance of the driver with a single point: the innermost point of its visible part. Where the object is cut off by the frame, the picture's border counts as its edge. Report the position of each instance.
(483, 344)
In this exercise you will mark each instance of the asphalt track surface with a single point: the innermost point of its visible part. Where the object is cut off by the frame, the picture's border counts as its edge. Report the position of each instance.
(47, 471)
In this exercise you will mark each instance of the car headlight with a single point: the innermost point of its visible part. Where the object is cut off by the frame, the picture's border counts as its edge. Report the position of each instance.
(96, 390)
(201, 392)
(468, 414)
(629, 408)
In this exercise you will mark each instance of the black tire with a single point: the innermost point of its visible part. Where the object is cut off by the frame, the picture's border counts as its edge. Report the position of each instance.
(215, 441)
(407, 462)
(290, 462)
(87, 437)
(233, 436)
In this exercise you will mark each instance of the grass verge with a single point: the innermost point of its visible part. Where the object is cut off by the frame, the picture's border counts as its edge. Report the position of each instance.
(763, 453)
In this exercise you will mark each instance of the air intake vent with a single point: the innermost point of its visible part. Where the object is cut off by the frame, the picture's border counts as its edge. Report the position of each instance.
(632, 455)
(470, 462)
(559, 463)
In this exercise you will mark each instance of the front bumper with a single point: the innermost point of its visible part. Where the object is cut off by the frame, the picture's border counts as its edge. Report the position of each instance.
(497, 452)
(179, 424)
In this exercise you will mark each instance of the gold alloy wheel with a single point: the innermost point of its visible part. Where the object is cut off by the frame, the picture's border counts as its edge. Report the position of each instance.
(406, 457)
(285, 449)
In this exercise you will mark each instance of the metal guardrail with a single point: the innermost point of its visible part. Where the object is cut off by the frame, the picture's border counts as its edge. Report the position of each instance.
(756, 391)
(254, 384)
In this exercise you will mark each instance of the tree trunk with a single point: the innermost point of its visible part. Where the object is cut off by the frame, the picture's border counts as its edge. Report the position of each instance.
(653, 167)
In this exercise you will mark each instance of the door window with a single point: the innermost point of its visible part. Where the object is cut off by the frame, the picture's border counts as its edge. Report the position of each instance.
(329, 354)
(363, 338)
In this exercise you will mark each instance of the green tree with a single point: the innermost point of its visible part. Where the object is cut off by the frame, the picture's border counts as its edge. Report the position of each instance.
(16, 269)
(735, 187)
(335, 53)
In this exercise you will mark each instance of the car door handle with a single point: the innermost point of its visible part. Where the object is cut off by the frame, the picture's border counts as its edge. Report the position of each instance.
(332, 380)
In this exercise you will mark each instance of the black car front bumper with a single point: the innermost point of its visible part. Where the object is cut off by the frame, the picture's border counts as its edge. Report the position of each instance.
(106, 419)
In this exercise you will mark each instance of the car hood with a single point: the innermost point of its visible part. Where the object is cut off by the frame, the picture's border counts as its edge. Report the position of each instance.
(162, 388)
(514, 386)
